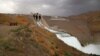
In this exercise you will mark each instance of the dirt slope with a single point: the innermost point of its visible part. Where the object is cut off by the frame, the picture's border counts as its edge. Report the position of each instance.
(27, 39)
(86, 27)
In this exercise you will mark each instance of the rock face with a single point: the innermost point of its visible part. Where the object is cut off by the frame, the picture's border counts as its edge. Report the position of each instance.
(86, 27)
(27, 39)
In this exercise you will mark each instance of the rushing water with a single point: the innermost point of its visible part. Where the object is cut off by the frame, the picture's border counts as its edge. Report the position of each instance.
(73, 41)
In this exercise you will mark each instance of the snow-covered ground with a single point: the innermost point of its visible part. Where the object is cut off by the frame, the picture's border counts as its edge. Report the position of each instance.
(74, 42)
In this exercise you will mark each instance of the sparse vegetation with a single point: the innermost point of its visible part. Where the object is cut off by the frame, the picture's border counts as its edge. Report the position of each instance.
(23, 31)
(67, 53)
(6, 45)
(19, 28)
(56, 47)
(56, 54)
(0, 36)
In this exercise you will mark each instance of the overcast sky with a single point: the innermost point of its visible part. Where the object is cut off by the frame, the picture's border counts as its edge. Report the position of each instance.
(49, 7)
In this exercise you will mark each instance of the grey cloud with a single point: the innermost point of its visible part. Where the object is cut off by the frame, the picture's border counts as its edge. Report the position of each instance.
(52, 7)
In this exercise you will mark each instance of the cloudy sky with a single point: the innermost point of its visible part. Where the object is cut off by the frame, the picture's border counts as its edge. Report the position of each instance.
(49, 7)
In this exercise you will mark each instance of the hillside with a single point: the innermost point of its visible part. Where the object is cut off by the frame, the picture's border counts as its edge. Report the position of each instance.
(84, 26)
(22, 37)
